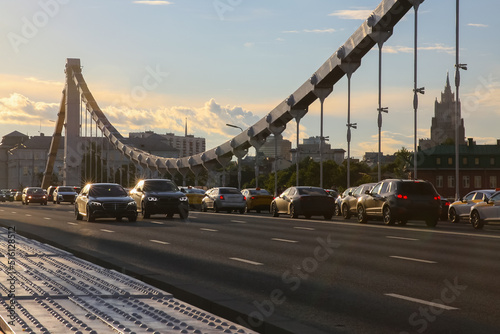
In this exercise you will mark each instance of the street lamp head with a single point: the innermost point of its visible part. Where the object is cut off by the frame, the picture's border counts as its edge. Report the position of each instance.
(462, 66)
(420, 90)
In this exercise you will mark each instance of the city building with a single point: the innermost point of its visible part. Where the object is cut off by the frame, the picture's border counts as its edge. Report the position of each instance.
(283, 154)
(444, 121)
(371, 158)
(310, 148)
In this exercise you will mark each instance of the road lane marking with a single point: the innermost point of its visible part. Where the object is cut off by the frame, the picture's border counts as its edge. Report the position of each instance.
(156, 222)
(47, 218)
(108, 231)
(411, 259)
(72, 223)
(246, 261)
(238, 221)
(284, 240)
(401, 238)
(420, 301)
(13, 212)
(304, 228)
(208, 229)
(160, 242)
(28, 215)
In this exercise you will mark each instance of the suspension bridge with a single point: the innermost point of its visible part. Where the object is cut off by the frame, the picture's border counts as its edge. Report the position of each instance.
(77, 97)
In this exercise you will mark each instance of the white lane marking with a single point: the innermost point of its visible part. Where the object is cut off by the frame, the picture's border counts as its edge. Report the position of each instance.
(108, 231)
(405, 229)
(71, 223)
(420, 301)
(28, 215)
(157, 222)
(284, 240)
(193, 217)
(47, 218)
(246, 261)
(238, 221)
(304, 228)
(160, 242)
(208, 229)
(401, 238)
(13, 212)
(411, 259)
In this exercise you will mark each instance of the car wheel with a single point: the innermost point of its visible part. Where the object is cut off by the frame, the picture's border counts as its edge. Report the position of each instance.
(293, 212)
(90, 217)
(132, 218)
(345, 212)
(274, 210)
(145, 213)
(78, 216)
(183, 214)
(58, 202)
(216, 209)
(476, 221)
(454, 218)
(337, 211)
(53, 202)
(387, 215)
(362, 215)
(431, 222)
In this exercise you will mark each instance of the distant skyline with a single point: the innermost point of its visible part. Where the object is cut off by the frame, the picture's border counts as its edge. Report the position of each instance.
(152, 64)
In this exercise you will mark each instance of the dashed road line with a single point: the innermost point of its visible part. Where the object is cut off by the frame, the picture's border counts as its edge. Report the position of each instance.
(284, 240)
(47, 218)
(157, 222)
(421, 301)
(28, 215)
(401, 238)
(238, 221)
(304, 228)
(108, 231)
(209, 230)
(411, 259)
(246, 261)
(160, 242)
(72, 223)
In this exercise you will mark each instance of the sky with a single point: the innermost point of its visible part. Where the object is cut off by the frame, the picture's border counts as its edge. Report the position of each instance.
(153, 64)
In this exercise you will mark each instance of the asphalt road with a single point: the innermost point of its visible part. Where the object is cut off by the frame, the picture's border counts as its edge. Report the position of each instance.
(295, 275)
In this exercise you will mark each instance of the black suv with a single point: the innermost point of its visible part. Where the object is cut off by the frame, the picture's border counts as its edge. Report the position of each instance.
(400, 200)
(160, 196)
(105, 200)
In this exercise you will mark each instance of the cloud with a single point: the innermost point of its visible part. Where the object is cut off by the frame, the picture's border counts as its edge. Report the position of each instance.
(18, 110)
(249, 44)
(478, 25)
(320, 31)
(352, 14)
(409, 49)
(153, 2)
(290, 32)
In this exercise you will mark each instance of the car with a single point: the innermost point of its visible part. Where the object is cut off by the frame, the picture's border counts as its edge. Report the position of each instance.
(18, 196)
(338, 201)
(348, 205)
(104, 200)
(257, 199)
(445, 205)
(459, 210)
(2, 197)
(223, 199)
(34, 195)
(9, 196)
(304, 200)
(486, 211)
(50, 191)
(194, 195)
(332, 192)
(64, 194)
(159, 196)
(395, 200)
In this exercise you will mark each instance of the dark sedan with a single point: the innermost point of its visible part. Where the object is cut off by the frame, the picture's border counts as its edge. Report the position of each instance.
(303, 200)
(105, 200)
(160, 196)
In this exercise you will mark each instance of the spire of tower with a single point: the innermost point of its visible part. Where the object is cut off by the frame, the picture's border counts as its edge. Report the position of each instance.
(447, 79)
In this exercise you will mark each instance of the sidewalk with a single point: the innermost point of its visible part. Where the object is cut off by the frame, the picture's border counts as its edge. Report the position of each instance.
(47, 290)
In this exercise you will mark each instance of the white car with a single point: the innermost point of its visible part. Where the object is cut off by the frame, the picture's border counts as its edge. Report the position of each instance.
(460, 210)
(64, 194)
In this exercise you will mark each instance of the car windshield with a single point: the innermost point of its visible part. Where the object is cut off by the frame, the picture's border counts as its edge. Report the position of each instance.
(35, 191)
(312, 191)
(259, 192)
(159, 186)
(195, 191)
(229, 191)
(418, 188)
(107, 191)
(65, 189)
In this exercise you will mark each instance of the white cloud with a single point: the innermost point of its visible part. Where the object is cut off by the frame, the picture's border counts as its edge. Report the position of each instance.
(316, 31)
(409, 49)
(154, 2)
(18, 110)
(478, 25)
(352, 14)
(249, 44)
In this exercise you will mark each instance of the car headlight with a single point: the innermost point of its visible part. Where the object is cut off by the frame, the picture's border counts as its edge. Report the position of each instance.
(152, 199)
(183, 199)
(96, 203)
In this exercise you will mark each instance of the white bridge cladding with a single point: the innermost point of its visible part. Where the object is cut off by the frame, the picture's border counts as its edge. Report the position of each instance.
(348, 56)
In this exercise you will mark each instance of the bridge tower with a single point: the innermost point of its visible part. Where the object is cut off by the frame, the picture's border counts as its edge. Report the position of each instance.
(72, 152)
